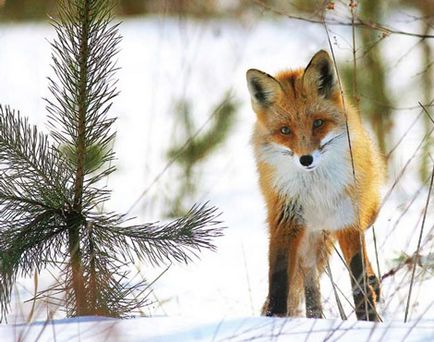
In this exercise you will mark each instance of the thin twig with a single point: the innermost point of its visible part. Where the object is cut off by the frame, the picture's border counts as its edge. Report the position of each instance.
(401, 173)
(418, 246)
(353, 33)
(249, 287)
(343, 294)
(407, 208)
(352, 162)
(338, 301)
(364, 278)
(426, 112)
(403, 136)
(355, 280)
(376, 252)
(35, 288)
(341, 89)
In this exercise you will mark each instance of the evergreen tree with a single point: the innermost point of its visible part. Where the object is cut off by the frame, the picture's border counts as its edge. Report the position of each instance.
(50, 188)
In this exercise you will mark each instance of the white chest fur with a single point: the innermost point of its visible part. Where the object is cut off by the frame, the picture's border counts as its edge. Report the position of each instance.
(320, 211)
(320, 193)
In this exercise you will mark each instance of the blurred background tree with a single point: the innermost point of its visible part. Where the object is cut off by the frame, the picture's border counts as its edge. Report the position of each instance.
(426, 9)
(196, 147)
(38, 9)
(367, 83)
(26, 9)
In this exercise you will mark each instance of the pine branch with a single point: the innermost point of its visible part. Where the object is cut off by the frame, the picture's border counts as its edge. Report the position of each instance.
(30, 167)
(26, 245)
(83, 63)
(34, 192)
(178, 241)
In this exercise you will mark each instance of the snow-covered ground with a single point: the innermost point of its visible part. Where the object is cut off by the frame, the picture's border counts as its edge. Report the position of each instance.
(261, 329)
(219, 297)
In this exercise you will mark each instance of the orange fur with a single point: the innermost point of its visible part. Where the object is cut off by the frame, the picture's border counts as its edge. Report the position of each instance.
(300, 113)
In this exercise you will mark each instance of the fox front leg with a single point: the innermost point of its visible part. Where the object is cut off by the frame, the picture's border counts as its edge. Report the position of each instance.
(276, 303)
(312, 293)
(284, 243)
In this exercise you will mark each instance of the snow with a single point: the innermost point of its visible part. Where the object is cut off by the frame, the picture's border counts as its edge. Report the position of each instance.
(165, 329)
(219, 297)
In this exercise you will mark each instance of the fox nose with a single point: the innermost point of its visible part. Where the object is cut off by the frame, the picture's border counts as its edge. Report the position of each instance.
(306, 160)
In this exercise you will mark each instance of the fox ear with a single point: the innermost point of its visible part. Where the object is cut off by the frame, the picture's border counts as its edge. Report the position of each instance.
(263, 88)
(320, 75)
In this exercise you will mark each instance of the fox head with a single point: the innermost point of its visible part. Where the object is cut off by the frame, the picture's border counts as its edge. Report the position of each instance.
(299, 112)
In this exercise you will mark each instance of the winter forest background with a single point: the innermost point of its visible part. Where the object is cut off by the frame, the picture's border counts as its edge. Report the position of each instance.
(182, 137)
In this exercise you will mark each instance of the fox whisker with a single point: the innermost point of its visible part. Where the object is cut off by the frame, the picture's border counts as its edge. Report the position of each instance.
(287, 153)
(321, 148)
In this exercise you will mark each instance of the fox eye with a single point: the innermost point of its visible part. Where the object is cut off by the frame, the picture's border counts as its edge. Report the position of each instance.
(285, 130)
(318, 123)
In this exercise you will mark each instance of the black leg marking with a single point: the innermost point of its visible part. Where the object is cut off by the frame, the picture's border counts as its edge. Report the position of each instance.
(278, 287)
(364, 305)
(375, 284)
(313, 302)
(312, 292)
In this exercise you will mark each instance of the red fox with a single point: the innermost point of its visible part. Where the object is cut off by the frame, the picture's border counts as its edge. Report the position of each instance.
(316, 187)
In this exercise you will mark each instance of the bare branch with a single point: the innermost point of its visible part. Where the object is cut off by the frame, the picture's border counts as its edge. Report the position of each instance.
(365, 24)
